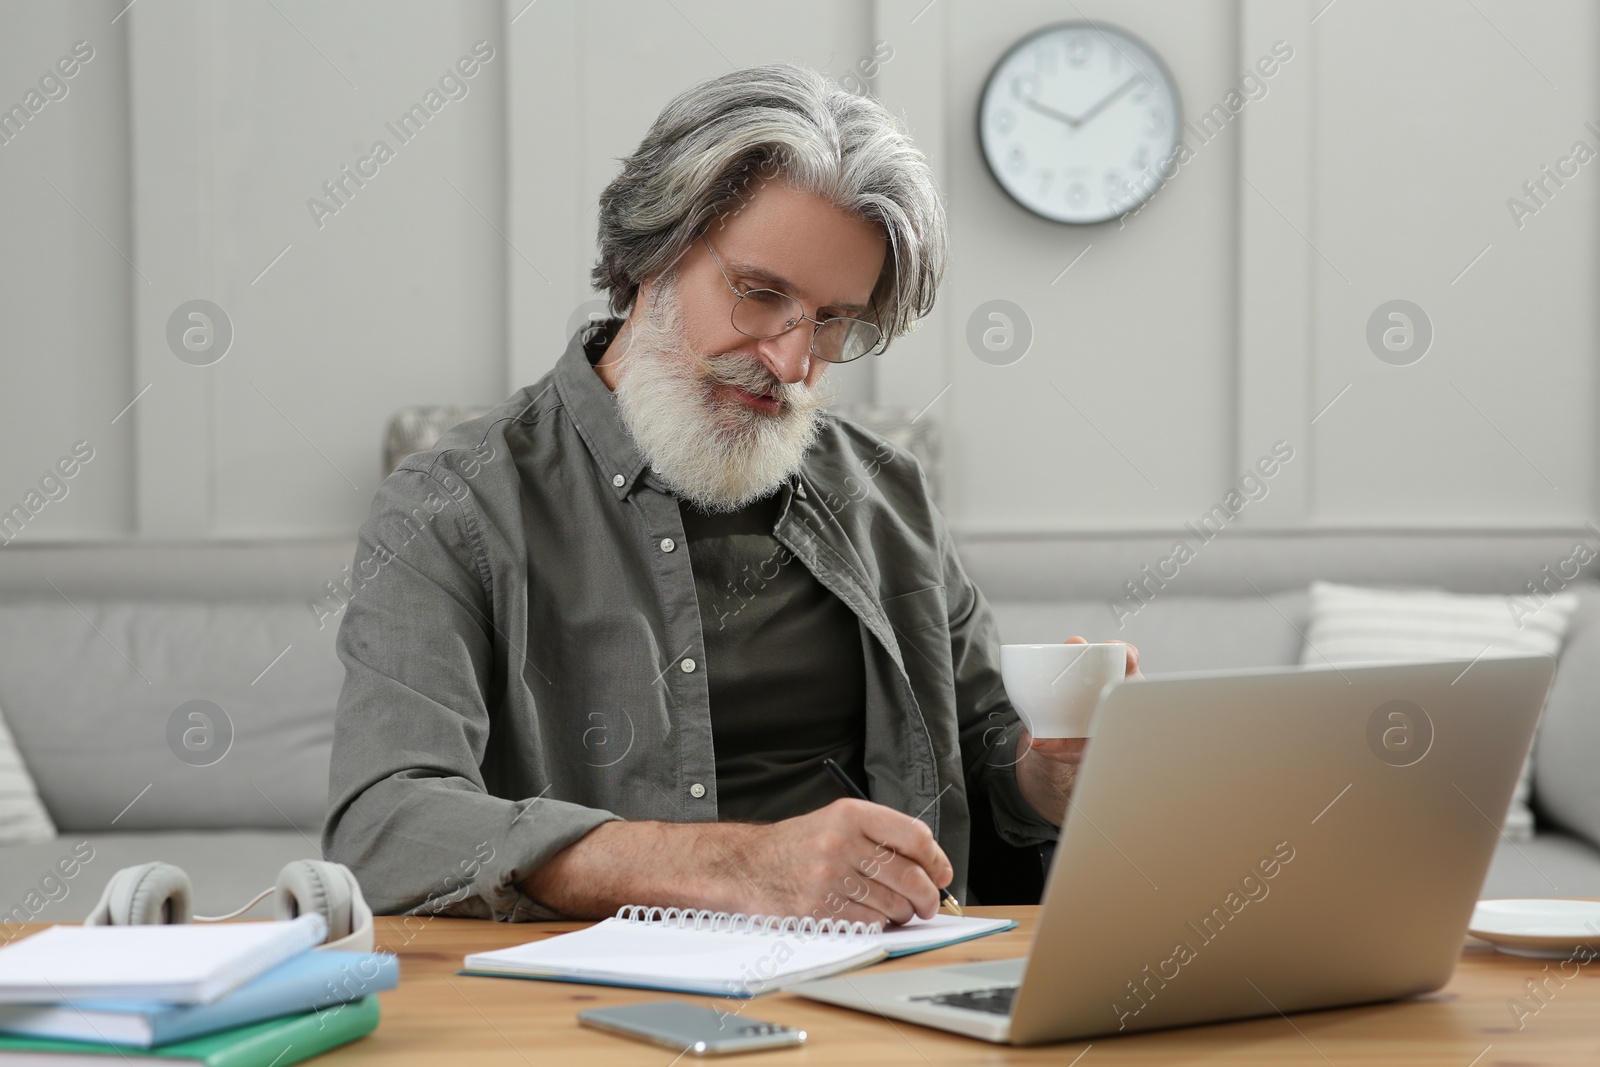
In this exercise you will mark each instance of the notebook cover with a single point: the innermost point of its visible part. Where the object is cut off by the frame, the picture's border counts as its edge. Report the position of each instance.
(303, 983)
(895, 954)
(691, 989)
(272, 1043)
(694, 990)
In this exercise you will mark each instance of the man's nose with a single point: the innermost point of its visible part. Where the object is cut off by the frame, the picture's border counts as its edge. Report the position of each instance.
(788, 355)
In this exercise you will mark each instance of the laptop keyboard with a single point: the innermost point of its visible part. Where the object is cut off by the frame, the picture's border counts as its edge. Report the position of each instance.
(995, 1000)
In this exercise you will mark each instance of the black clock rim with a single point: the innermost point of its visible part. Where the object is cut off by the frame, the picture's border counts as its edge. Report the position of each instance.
(1054, 27)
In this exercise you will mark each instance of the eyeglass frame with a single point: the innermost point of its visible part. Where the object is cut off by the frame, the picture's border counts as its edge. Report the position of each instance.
(817, 324)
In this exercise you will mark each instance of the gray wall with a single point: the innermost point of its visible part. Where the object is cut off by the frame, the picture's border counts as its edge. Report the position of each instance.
(1227, 315)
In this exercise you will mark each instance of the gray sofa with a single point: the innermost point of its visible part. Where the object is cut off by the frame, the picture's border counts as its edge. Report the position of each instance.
(1243, 602)
(93, 667)
(100, 645)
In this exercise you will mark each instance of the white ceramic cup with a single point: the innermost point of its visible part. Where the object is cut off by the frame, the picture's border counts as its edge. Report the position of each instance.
(1055, 687)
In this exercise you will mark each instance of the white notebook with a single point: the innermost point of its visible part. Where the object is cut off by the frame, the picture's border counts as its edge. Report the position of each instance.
(179, 963)
(685, 951)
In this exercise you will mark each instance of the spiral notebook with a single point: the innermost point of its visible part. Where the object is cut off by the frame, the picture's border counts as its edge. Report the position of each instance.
(685, 951)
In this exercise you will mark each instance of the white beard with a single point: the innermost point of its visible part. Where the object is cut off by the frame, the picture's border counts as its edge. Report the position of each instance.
(719, 456)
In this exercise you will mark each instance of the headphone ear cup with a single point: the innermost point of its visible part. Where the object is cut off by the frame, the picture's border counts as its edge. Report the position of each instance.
(149, 894)
(331, 889)
(304, 888)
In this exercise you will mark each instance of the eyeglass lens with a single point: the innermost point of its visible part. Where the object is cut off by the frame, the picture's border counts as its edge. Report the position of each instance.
(768, 313)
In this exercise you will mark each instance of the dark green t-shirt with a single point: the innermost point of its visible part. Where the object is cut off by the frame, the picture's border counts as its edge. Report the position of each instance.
(784, 665)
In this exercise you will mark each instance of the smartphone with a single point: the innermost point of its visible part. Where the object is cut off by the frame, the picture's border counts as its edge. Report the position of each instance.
(685, 1027)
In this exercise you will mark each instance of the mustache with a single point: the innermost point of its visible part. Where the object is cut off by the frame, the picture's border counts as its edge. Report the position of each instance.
(660, 335)
(752, 376)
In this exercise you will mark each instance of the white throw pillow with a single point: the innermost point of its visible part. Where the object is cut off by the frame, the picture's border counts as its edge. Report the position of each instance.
(22, 816)
(1350, 624)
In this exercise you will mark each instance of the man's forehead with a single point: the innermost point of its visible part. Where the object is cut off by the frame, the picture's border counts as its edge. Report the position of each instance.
(784, 237)
(773, 279)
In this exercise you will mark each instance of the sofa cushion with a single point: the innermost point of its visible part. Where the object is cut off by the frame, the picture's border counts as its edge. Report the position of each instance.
(59, 880)
(122, 710)
(22, 816)
(1355, 625)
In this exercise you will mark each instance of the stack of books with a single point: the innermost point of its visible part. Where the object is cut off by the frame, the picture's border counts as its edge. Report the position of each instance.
(240, 994)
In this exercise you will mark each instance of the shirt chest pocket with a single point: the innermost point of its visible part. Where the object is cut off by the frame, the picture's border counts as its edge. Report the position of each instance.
(920, 621)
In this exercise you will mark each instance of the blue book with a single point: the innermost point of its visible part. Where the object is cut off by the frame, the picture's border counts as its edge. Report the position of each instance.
(306, 982)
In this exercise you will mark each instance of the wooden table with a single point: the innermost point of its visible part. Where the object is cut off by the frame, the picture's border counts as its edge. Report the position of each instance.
(438, 1017)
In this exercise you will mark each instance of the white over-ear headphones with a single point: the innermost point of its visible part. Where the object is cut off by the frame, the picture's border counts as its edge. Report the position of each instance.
(154, 893)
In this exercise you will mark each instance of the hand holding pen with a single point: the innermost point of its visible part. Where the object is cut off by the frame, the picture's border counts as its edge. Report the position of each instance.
(833, 768)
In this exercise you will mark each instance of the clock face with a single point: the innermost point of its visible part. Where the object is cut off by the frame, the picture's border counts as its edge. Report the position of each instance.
(1076, 122)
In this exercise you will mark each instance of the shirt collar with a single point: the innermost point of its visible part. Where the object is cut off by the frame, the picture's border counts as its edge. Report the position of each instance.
(593, 407)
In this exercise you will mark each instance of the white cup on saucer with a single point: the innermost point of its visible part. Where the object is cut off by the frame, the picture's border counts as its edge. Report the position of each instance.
(1055, 687)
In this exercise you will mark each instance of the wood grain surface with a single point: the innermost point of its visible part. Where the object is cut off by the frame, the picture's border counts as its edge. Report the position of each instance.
(439, 1017)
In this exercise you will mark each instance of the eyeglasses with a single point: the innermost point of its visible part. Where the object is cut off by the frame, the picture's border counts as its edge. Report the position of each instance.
(763, 313)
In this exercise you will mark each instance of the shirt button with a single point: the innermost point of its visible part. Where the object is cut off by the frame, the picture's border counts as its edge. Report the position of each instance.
(688, 666)
(618, 480)
(668, 544)
(697, 790)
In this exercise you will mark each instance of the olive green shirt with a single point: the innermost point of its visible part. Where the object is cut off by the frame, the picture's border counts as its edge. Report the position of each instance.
(525, 658)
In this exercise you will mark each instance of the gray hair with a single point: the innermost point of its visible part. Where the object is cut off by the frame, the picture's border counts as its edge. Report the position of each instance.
(715, 141)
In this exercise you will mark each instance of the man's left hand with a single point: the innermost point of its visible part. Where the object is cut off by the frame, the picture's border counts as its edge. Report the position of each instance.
(1047, 767)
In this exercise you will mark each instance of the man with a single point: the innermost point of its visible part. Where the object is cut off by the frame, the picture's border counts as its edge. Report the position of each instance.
(608, 632)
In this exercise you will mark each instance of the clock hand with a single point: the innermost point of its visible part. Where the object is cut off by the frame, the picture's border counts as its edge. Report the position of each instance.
(1103, 104)
(1052, 112)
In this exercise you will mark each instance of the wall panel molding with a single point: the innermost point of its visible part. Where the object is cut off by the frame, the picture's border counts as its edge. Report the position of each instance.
(170, 55)
(915, 372)
(1186, 342)
(545, 264)
(1276, 184)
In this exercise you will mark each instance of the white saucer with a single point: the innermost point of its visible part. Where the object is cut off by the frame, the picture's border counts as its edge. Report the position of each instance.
(1542, 929)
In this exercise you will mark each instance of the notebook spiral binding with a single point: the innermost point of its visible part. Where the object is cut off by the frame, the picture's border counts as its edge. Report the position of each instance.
(740, 923)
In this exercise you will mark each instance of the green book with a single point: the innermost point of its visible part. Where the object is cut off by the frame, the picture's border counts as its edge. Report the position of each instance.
(273, 1043)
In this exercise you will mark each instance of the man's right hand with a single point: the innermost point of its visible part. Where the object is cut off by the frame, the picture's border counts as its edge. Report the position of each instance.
(852, 860)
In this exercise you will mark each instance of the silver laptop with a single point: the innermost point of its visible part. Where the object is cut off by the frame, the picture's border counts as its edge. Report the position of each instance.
(1249, 843)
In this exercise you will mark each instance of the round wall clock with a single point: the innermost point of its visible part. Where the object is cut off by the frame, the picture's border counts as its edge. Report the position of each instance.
(1077, 120)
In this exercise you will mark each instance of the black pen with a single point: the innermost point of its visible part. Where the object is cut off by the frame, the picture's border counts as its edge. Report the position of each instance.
(855, 790)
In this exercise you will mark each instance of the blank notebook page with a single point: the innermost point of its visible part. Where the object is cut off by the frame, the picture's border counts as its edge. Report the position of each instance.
(173, 963)
(666, 955)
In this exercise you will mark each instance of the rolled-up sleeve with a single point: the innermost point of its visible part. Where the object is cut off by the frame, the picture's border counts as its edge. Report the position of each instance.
(408, 810)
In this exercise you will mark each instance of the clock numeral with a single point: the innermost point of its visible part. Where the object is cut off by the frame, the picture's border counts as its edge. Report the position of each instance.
(1004, 121)
(1024, 87)
(1080, 46)
(1158, 122)
(1077, 194)
(1017, 159)
(1044, 182)
(1044, 61)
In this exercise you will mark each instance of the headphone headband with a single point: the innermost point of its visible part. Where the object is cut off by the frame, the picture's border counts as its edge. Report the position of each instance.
(161, 893)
